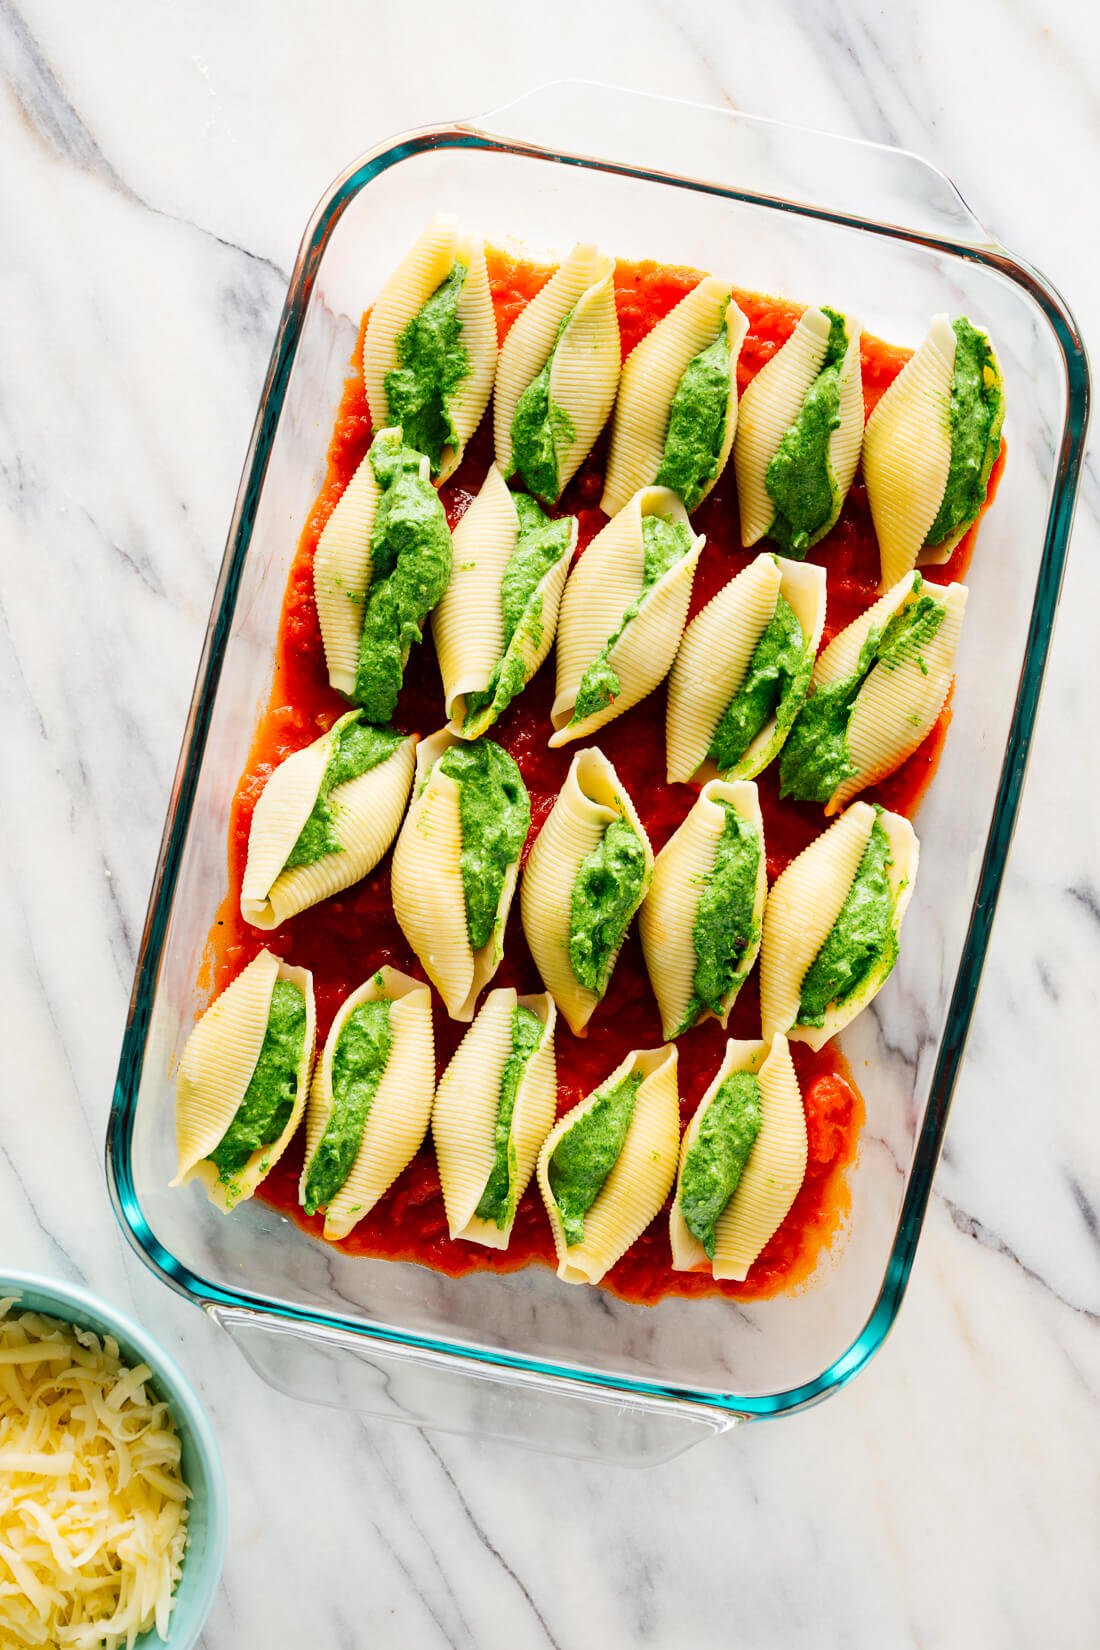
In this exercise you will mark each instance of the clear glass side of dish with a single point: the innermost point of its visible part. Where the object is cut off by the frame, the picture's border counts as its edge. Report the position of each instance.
(777, 215)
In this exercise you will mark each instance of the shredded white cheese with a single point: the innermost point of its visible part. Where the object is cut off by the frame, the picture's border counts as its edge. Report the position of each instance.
(93, 1515)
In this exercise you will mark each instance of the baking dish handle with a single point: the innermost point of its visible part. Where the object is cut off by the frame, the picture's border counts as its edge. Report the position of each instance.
(839, 179)
(439, 1392)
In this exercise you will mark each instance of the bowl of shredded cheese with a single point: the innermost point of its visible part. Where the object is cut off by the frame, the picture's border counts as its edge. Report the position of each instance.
(112, 1495)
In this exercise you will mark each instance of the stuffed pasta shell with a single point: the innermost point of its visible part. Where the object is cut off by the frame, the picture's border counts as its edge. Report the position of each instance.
(557, 376)
(585, 877)
(382, 563)
(799, 431)
(430, 347)
(832, 924)
(607, 1166)
(676, 413)
(493, 1109)
(930, 446)
(325, 818)
(875, 693)
(456, 861)
(742, 1161)
(623, 612)
(242, 1079)
(742, 671)
(701, 919)
(496, 621)
(370, 1101)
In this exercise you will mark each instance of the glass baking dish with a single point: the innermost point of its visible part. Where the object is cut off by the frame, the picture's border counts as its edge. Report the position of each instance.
(878, 233)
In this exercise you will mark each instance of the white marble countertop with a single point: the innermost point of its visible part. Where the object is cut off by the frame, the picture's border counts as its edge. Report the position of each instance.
(160, 160)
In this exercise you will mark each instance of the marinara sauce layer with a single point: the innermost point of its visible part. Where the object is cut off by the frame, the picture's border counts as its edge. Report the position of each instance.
(344, 939)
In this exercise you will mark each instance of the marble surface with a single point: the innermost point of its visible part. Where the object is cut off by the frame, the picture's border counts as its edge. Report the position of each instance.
(160, 160)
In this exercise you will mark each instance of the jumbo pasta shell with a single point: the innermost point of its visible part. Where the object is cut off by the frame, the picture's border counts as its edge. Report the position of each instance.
(899, 702)
(591, 799)
(584, 374)
(428, 892)
(216, 1069)
(772, 403)
(464, 1114)
(468, 624)
(803, 906)
(773, 1173)
(666, 922)
(714, 657)
(640, 1179)
(607, 579)
(650, 377)
(342, 571)
(422, 270)
(397, 1120)
(366, 813)
(907, 452)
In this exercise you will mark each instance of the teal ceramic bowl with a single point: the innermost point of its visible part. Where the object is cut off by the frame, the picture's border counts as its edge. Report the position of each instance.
(202, 1465)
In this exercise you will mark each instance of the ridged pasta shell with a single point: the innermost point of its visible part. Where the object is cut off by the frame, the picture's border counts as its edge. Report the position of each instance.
(589, 801)
(711, 662)
(897, 705)
(907, 452)
(425, 267)
(905, 854)
(803, 906)
(216, 1068)
(841, 658)
(426, 884)
(342, 570)
(585, 372)
(399, 1112)
(467, 1101)
(666, 921)
(366, 813)
(772, 402)
(714, 657)
(468, 624)
(479, 336)
(641, 1178)
(773, 1173)
(605, 581)
(650, 378)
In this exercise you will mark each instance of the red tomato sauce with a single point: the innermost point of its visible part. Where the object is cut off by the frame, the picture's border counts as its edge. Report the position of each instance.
(344, 939)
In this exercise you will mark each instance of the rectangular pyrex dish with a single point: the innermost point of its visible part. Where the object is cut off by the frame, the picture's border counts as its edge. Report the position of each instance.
(877, 233)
